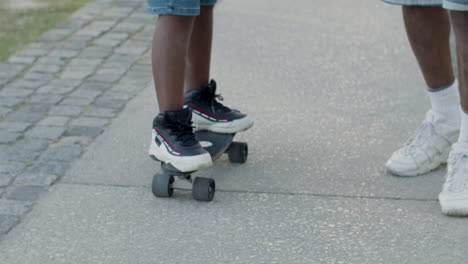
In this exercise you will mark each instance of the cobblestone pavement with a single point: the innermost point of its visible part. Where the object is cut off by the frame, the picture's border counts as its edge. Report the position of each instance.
(61, 92)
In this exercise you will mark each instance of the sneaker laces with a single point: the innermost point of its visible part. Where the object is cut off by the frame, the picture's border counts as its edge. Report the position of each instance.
(216, 105)
(210, 97)
(457, 166)
(423, 132)
(183, 132)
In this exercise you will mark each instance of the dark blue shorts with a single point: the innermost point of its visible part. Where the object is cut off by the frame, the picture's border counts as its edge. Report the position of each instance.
(177, 7)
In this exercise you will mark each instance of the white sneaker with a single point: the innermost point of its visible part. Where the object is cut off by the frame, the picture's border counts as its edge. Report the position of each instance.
(426, 150)
(454, 196)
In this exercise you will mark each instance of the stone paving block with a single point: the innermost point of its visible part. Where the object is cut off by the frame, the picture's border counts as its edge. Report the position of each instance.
(97, 86)
(117, 12)
(89, 31)
(54, 121)
(113, 69)
(4, 110)
(21, 116)
(60, 86)
(8, 137)
(3, 81)
(128, 27)
(47, 132)
(85, 93)
(121, 60)
(10, 100)
(62, 152)
(8, 170)
(47, 68)
(130, 84)
(32, 52)
(15, 153)
(145, 60)
(105, 77)
(9, 70)
(101, 112)
(139, 18)
(101, 25)
(5, 180)
(25, 193)
(42, 45)
(120, 95)
(76, 73)
(95, 52)
(81, 38)
(106, 42)
(116, 36)
(27, 84)
(35, 178)
(66, 110)
(14, 126)
(55, 35)
(129, 49)
(30, 146)
(13, 207)
(75, 44)
(64, 53)
(50, 167)
(15, 92)
(34, 108)
(51, 61)
(77, 101)
(89, 122)
(39, 76)
(22, 59)
(73, 140)
(110, 103)
(7, 222)
(84, 131)
(84, 63)
(72, 24)
(49, 99)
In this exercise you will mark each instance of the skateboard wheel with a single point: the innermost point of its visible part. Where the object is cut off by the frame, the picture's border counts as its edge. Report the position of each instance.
(161, 186)
(203, 189)
(238, 152)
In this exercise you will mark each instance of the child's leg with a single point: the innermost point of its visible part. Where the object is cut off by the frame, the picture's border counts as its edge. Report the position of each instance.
(170, 49)
(173, 141)
(197, 72)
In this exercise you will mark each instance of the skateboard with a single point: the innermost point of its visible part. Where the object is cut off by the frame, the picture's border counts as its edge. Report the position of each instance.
(203, 189)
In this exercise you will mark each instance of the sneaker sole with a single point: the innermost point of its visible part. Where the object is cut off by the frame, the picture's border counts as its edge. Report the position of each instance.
(183, 164)
(235, 126)
(455, 205)
(435, 165)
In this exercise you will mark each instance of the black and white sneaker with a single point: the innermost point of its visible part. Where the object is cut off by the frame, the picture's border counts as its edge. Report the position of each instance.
(209, 114)
(173, 142)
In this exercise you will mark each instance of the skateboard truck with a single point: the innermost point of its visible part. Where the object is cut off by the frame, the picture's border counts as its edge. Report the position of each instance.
(203, 189)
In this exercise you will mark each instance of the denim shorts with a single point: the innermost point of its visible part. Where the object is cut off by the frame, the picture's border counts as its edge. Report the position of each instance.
(177, 7)
(456, 5)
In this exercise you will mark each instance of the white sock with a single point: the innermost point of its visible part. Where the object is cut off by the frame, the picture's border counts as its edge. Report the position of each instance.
(463, 137)
(446, 102)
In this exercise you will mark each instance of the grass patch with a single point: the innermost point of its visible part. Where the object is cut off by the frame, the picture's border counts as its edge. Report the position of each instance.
(20, 26)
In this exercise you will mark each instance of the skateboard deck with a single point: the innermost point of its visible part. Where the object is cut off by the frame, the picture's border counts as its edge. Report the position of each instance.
(215, 143)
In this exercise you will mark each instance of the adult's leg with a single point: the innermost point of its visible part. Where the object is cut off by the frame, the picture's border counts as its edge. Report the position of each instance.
(454, 196)
(170, 49)
(460, 25)
(428, 30)
(197, 73)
